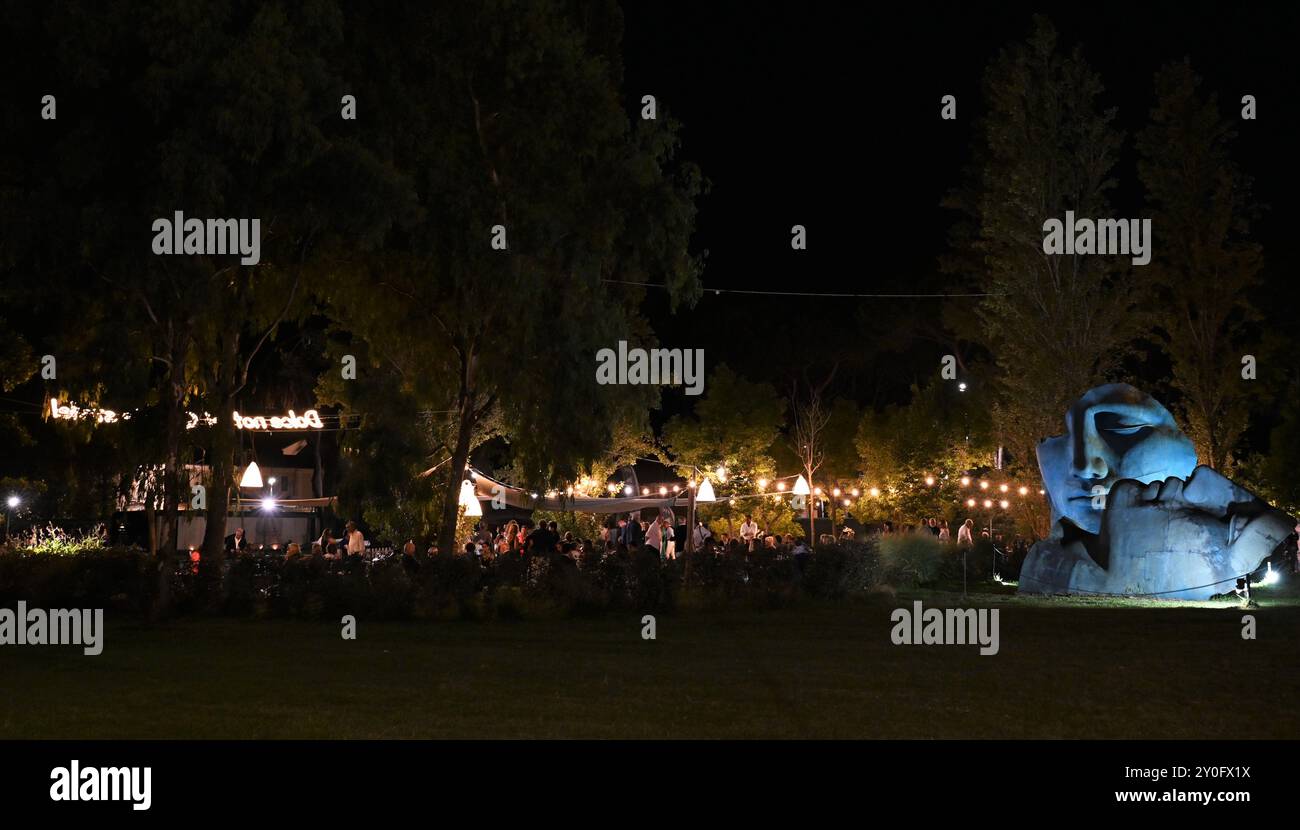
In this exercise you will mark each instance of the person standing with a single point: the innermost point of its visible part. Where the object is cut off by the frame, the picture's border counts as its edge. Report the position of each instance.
(964, 535)
(356, 542)
(749, 532)
(632, 536)
(699, 536)
(944, 534)
(657, 536)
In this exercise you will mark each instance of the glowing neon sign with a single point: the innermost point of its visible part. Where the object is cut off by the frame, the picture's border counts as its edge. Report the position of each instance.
(307, 420)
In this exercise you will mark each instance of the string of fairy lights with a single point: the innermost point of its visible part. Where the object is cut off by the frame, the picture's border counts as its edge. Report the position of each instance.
(982, 492)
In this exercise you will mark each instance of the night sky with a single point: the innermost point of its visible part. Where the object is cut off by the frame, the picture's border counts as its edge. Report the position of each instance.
(830, 118)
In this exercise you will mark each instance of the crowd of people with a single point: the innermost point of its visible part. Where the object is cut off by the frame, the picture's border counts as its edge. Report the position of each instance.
(661, 534)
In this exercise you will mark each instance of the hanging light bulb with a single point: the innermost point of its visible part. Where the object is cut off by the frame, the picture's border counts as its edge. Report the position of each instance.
(469, 500)
(252, 476)
(705, 492)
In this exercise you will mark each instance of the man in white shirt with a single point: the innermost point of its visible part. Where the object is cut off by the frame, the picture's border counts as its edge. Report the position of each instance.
(356, 542)
(654, 535)
(749, 532)
(699, 536)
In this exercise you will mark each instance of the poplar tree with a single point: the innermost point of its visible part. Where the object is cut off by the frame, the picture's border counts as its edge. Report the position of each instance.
(1204, 266)
(1056, 325)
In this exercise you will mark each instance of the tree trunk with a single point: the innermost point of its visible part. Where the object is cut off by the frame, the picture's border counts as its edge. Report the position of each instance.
(222, 460)
(173, 468)
(150, 511)
(459, 458)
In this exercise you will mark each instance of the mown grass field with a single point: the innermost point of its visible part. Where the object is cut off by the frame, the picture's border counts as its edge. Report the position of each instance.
(1066, 669)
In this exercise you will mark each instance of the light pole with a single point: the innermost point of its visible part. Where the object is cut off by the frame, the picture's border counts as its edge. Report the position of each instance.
(11, 504)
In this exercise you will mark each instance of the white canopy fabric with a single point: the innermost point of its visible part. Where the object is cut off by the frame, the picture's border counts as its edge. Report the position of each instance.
(487, 489)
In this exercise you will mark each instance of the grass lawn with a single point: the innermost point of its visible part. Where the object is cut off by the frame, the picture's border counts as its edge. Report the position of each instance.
(1066, 669)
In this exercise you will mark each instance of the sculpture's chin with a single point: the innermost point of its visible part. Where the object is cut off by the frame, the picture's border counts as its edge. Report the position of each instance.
(1086, 520)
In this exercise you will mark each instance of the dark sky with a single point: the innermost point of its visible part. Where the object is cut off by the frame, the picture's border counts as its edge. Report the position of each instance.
(830, 118)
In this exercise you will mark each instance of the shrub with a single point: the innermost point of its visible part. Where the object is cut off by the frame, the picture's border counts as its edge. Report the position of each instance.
(836, 571)
(512, 586)
(910, 559)
(109, 577)
(54, 540)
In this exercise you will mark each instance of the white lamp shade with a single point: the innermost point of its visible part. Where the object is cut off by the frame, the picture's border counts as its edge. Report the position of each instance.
(801, 487)
(469, 500)
(705, 493)
(252, 476)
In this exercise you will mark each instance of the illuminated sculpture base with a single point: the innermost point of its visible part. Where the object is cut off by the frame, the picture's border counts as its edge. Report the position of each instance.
(1133, 514)
(1169, 539)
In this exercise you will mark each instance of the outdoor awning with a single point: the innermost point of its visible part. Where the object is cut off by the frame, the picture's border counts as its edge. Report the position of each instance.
(487, 489)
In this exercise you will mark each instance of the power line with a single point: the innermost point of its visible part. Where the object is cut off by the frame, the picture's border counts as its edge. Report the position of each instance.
(827, 295)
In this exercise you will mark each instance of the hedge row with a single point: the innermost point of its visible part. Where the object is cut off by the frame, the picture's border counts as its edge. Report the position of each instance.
(512, 586)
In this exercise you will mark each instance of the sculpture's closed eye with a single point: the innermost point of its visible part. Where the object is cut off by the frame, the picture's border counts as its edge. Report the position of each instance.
(1128, 430)
(1111, 423)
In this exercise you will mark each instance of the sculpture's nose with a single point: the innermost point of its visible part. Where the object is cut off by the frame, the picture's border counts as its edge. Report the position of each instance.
(1089, 453)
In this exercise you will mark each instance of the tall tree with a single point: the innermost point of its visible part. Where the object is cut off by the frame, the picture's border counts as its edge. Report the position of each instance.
(1205, 265)
(941, 434)
(1055, 324)
(224, 110)
(533, 189)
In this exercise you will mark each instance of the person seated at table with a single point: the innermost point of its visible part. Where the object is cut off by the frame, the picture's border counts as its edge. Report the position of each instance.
(236, 543)
(326, 540)
(292, 552)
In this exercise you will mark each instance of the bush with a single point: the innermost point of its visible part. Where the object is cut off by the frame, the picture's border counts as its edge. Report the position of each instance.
(120, 578)
(910, 559)
(511, 586)
(837, 571)
(53, 540)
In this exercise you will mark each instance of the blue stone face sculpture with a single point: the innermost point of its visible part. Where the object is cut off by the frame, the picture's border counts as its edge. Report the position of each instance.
(1113, 432)
(1133, 514)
